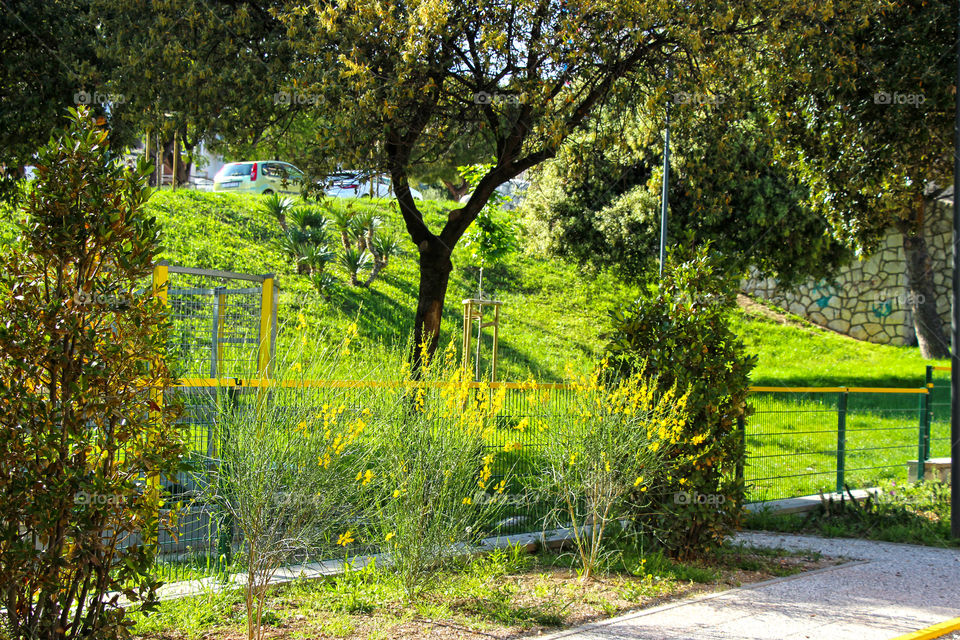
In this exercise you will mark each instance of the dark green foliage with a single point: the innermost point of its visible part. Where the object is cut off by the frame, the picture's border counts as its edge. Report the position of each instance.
(48, 63)
(84, 435)
(600, 201)
(679, 332)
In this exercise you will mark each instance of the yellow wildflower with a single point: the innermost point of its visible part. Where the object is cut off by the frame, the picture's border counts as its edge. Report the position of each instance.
(638, 481)
(345, 538)
(467, 501)
(389, 536)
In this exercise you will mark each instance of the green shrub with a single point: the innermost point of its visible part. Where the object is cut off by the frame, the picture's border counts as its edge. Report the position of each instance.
(679, 332)
(84, 436)
(283, 473)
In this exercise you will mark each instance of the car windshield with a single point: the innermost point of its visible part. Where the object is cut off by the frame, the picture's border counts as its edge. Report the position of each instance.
(231, 170)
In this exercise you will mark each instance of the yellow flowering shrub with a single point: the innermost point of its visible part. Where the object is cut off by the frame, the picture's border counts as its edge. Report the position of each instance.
(599, 461)
(432, 473)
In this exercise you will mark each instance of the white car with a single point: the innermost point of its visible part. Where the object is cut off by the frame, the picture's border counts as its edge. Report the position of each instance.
(357, 184)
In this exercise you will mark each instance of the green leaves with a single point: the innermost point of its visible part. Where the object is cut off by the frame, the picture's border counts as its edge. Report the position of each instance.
(678, 331)
(81, 365)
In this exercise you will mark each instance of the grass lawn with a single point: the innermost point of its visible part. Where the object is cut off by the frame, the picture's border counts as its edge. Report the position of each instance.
(909, 513)
(498, 595)
(796, 353)
(792, 442)
(554, 313)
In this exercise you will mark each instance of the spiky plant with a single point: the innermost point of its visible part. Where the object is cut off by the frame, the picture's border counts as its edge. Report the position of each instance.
(342, 220)
(382, 246)
(355, 261)
(277, 207)
(309, 217)
(317, 256)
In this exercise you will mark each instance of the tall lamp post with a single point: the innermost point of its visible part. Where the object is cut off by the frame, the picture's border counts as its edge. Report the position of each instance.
(665, 195)
(955, 325)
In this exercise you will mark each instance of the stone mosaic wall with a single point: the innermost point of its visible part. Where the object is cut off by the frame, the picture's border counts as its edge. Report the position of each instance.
(868, 299)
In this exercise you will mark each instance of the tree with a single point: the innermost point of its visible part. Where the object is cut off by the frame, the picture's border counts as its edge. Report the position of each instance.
(401, 82)
(47, 63)
(599, 201)
(199, 70)
(863, 104)
(84, 432)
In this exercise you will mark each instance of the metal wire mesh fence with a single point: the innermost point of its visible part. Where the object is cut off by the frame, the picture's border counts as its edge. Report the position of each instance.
(223, 323)
(938, 381)
(798, 441)
(807, 440)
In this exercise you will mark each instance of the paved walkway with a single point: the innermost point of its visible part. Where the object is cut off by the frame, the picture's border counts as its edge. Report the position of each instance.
(888, 590)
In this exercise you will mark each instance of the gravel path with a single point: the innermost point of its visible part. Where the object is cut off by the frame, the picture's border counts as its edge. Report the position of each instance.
(886, 590)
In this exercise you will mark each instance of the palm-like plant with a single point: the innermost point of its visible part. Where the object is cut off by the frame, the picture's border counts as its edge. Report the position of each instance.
(342, 220)
(277, 206)
(382, 246)
(354, 261)
(309, 217)
(317, 256)
(323, 282)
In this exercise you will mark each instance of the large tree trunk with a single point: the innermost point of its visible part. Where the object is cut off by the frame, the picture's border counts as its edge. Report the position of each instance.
(435, 268)
(921, 295)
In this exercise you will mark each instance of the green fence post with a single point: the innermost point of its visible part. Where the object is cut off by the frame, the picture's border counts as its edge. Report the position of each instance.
(742, 459)
(841, 438)
(922, 439)
(928, 412)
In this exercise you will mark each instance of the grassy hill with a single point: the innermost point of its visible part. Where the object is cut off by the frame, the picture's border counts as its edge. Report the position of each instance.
(553, 313)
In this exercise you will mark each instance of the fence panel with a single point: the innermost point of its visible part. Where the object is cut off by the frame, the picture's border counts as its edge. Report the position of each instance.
(798, 442)
(804, 441)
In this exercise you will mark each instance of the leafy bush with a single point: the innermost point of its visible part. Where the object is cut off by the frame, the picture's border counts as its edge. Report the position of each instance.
(598, 464)
(84, 435)
(679, 332)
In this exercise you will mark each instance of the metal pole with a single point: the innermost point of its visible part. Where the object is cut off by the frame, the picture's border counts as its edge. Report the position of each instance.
(955, 326)
(841, 439)
(664, 198)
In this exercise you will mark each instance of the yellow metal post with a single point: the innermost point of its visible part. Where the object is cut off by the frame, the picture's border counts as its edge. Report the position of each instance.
(221, 316)
(264, 365)
(161, 279)
(496, 336)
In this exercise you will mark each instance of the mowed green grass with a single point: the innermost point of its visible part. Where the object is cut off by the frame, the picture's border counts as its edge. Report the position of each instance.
(802, 354)
(555, 314)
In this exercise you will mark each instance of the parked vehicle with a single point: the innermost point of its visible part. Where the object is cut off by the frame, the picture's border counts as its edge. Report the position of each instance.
(261, 176)
(356, 184)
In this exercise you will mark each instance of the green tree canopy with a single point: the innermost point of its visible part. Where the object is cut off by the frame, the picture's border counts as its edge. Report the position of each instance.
(863, 105)
(402, 81)
(599, 201)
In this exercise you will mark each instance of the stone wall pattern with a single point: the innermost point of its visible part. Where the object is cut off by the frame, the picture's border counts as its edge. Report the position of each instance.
(868, 299)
